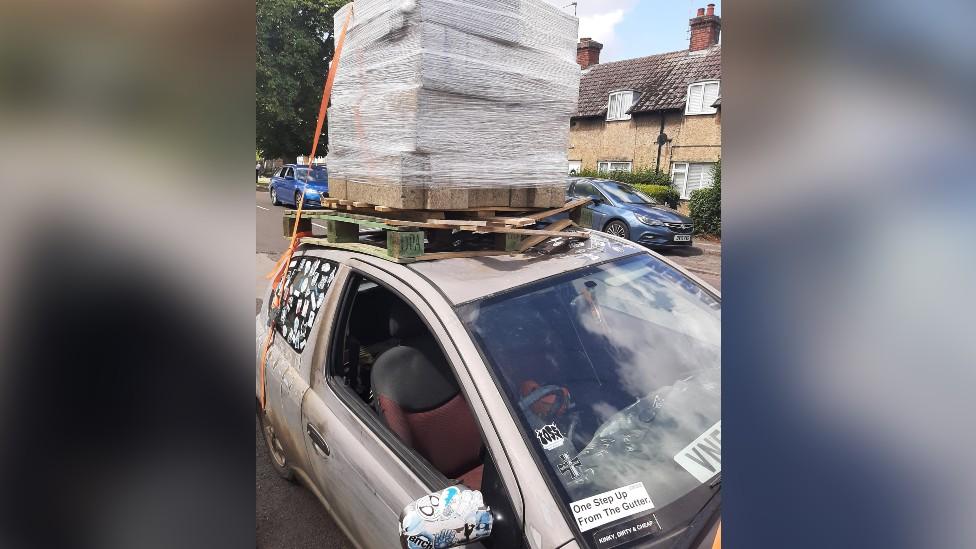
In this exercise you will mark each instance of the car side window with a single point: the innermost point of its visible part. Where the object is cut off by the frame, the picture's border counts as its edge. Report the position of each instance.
(387, 358)
(288, 172)
(307, 282)
(584, 189)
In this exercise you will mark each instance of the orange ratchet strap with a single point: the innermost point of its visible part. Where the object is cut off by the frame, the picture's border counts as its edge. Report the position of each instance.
(280, 268)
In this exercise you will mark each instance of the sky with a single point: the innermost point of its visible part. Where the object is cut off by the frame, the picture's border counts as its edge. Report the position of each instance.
(635, 28)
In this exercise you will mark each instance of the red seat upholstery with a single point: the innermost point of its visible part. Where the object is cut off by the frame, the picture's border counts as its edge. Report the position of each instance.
(420, 401)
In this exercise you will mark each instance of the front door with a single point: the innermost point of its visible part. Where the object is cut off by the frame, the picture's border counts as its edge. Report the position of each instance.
(600, 209)
(366, 471)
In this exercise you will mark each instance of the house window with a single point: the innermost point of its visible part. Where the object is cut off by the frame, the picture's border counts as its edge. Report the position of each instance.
(575, 167)
(689, 177)
(615, 166)
(701, 97)
(620, 103)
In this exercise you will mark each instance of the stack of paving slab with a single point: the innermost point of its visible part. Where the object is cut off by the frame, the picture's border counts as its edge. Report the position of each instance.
(453, 104)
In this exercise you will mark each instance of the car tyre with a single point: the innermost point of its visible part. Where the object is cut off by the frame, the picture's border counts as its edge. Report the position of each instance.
(618, 228)
(274, 197)
(298, 197)
(276, 453)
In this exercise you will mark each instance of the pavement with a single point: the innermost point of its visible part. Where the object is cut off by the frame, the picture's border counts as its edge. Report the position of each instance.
(288, 515)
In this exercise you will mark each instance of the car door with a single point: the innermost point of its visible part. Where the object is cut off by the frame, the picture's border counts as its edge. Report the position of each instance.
(600, 207)
(365, 474)
(307, 286)
(288, 187)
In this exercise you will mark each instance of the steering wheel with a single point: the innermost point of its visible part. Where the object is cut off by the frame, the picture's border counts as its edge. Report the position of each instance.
(544, 410)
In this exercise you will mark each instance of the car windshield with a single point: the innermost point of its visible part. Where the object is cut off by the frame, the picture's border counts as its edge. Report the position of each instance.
(318, 174)
(614, 372)
(625, 193)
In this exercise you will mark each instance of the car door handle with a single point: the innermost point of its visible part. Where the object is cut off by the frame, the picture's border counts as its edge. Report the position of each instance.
(321, 448)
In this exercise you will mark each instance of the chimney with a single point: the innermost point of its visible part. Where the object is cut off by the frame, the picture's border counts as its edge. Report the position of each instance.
(588, 53)
(705, 29)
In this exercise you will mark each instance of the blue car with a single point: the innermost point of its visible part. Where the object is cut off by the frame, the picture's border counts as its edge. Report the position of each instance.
(621, 210)
(287, 184)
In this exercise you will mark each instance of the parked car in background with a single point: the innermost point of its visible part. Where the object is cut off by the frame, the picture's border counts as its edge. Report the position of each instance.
(563, 399)
(621, 210)
(288, 182)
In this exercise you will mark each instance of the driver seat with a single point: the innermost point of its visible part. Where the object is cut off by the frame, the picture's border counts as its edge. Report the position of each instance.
(420, 401)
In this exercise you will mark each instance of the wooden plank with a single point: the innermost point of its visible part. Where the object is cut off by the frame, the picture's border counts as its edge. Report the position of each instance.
(513, 221)
(569, 206)
(508, 241)
(340, 232)
(535, 232)
(536, 240)
(362, 204)
(404, 244)
(455, 255)
(459, 222)
(359, 247)
(288, 226)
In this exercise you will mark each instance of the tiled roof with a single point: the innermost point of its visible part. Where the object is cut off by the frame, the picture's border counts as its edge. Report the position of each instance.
(662, 80)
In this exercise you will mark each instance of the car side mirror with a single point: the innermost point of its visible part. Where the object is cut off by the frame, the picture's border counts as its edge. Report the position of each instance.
(453, 517)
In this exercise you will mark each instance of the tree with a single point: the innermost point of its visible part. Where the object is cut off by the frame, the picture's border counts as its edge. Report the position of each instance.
(295, 44)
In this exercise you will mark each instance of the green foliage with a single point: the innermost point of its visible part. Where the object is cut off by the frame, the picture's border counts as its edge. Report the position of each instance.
(661, 193)
(706, 205)
(639, 177)
(294, 47)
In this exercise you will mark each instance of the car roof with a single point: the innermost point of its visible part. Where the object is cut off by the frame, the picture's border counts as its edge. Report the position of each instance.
(466, 279)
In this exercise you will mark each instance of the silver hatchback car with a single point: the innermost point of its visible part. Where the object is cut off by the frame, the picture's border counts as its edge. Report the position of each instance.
(565, 398)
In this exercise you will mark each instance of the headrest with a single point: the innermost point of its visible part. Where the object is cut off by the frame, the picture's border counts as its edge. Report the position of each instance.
(417, 378)
(404, 322)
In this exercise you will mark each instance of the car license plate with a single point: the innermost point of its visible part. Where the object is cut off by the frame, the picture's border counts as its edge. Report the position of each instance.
(682, 238)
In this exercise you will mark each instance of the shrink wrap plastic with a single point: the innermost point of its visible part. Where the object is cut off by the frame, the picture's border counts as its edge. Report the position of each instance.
(453, 103)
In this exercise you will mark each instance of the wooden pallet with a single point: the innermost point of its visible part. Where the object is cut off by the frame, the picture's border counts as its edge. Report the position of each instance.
(420, 235)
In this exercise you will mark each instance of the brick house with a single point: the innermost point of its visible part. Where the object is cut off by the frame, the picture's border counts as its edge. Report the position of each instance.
(661, 112)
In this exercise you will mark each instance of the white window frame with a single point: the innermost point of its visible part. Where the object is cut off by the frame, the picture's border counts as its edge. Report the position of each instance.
(710, 91)
(703, 181)
(618, 104)
(609, 166)
(576, 165)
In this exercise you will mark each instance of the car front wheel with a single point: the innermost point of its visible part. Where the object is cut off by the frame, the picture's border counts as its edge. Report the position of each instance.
(274, 197)
(618, 228)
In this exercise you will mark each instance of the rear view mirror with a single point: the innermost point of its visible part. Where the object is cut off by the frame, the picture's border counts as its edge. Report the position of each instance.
(452, 517)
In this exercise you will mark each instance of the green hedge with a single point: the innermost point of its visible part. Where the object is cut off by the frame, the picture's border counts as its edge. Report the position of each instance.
(706, 205)
(640, 177)
(661, 193)
(655, 184)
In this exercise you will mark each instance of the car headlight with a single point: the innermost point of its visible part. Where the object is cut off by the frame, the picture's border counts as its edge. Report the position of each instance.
(311, 192)
(648, 221)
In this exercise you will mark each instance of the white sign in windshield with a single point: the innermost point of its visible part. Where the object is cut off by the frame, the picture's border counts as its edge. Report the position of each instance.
(610, 506)
(703, 457)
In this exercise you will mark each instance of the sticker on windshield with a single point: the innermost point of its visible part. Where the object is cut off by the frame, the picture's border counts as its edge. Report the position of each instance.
(550, 437)
(609, 506)
(703, 457)
(637, 527)
(570, 466)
